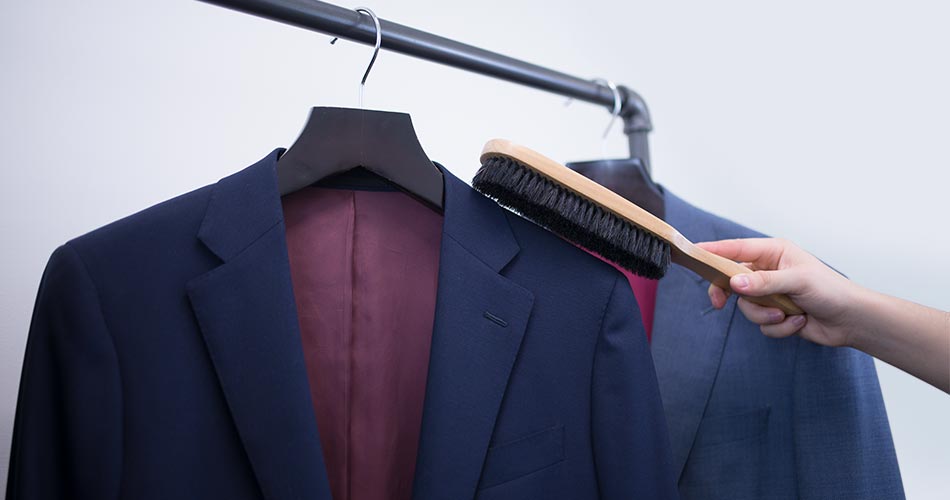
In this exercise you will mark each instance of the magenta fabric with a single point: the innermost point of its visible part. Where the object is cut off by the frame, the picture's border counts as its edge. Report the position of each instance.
(365, 268)
(643, 289)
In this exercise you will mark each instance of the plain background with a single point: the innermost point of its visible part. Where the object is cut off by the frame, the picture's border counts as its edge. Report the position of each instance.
(822, 121)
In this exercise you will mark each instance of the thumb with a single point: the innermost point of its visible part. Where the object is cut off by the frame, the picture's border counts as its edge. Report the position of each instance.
(760, 283)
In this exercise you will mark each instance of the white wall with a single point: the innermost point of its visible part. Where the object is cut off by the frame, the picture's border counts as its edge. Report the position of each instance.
(825, 122)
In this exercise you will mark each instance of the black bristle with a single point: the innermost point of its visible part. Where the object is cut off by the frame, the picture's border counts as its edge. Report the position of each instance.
(564, 212)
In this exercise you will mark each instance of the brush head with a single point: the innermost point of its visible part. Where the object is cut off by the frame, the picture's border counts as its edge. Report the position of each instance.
(562, 211)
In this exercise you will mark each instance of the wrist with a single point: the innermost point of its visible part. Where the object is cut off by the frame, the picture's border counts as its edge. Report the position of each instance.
(859, 302)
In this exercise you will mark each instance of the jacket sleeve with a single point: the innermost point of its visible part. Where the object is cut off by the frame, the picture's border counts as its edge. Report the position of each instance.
(631, 443)
(843, 446)
(67, 436)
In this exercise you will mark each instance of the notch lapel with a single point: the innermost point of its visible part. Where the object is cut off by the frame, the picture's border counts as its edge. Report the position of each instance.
(248, 317)
(480, 320)
(689, 336)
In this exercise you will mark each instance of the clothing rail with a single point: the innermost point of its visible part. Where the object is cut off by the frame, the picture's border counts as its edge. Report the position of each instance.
(351, 25)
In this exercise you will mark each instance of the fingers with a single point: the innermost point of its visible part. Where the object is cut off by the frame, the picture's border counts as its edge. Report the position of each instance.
(759, 283)
(791, 325)
(760, 315)
(773, 322)
(718, 296)
(764, 253)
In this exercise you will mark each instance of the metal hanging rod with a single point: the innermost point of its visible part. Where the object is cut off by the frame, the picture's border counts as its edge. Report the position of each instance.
(349, 24)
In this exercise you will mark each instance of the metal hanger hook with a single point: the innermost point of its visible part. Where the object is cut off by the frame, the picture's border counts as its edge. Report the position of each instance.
(379, 43)
(618, 102)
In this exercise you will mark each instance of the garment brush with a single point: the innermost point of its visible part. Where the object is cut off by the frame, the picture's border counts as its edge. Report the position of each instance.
(588, 214)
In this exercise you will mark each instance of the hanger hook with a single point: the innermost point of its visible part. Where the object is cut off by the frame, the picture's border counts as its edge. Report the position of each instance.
(618, 102)
(379, 43)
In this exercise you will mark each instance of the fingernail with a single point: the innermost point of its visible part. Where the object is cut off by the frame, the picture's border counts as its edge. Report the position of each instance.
(740, 282)
(776, 317)
(799, 320)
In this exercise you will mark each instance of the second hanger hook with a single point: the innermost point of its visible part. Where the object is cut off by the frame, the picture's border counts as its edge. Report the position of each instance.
(618, 102)
(379, 43)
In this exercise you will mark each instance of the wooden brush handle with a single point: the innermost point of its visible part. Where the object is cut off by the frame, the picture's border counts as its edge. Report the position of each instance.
(714, 268)
(718, 270)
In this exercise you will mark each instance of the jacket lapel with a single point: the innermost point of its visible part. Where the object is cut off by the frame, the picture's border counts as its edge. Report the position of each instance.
(688, 337)
(247, 314)
(480, 320)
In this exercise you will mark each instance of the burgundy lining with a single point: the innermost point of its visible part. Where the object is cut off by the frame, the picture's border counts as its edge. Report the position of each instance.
(365, 267)
(644, 291)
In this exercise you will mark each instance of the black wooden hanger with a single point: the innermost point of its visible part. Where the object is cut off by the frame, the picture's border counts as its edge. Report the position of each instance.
(335, 140)
(628, 177)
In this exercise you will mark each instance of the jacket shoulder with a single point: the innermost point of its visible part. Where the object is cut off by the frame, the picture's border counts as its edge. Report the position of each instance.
(550, 255)
(697, 224)
(165, 221)
(140, 245)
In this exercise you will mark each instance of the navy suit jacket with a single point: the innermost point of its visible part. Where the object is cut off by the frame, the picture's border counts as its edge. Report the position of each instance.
(752, 417)
(164, 361)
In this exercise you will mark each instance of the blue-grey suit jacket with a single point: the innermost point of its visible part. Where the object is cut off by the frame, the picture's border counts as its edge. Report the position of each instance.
(752, 417)
(164, 362)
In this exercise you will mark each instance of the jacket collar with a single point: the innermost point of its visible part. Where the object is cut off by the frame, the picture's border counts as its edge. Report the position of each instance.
(242, 207)
(688, 335)
(247, 204)
(247, 314)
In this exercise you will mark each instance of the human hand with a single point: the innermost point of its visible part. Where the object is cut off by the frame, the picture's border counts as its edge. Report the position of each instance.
(778, 266)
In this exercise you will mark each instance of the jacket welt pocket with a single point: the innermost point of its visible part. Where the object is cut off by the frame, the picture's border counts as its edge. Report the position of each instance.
(530, 453)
